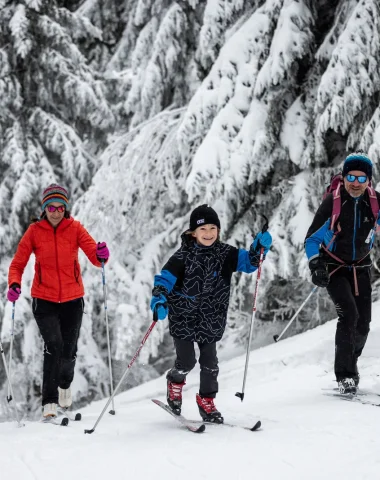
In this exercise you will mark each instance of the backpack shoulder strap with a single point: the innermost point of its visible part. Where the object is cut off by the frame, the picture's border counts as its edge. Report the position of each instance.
(337, 202)
(374, 202)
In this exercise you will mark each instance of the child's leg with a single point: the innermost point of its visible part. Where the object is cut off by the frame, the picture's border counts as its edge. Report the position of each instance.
(184, 362)
(208, 361)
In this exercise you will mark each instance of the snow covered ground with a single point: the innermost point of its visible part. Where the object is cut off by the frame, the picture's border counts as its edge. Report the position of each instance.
(305, 434)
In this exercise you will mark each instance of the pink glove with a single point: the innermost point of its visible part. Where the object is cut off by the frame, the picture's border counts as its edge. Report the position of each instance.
(13, 293)
(102, 252)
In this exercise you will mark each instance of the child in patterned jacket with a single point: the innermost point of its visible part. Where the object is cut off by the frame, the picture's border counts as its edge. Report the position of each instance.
(194, 288)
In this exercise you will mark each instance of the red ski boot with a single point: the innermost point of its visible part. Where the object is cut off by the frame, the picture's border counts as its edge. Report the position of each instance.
(208, 410)
(174, 396)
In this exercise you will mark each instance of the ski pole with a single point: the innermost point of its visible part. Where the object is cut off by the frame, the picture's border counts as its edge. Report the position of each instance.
(9, 396)
(276, 338)
(127, 371)
(112, 412)
(10, 385)
(241, 394)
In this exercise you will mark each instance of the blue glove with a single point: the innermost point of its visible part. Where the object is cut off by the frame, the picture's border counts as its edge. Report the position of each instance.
(261, 240)
(159, 302)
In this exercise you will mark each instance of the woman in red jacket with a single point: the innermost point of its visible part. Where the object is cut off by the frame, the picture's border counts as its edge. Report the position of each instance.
(57, 289)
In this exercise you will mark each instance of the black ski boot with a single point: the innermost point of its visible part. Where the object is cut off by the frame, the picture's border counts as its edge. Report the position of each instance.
(208, 410)
(174, 396)
(347, 386)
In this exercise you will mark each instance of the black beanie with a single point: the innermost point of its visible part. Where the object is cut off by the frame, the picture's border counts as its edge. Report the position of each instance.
(203, 215)
(357, 161)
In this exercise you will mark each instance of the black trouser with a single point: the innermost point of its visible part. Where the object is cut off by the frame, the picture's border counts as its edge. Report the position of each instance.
(186, 361)
(59, 325)
(354, 317)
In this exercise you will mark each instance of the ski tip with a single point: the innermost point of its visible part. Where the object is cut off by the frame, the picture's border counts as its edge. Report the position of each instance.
(90, 431)
(9, 399)
(256, 426)
(112, 412)
(275, 338)
(64, 422)
(201, 428)
(77, 417)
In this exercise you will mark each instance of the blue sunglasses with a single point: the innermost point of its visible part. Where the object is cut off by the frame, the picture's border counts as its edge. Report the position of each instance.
(360, 178)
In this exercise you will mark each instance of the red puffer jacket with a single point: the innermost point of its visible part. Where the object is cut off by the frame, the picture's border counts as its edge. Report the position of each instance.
(57, 276)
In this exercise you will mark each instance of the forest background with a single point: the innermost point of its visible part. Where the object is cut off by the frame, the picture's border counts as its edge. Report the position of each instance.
(145, 109)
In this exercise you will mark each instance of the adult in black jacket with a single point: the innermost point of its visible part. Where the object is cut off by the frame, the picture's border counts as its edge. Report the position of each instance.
(339, 260)
(194, 288)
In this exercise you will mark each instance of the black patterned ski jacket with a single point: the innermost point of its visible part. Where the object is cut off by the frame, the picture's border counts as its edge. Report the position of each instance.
(198, 281)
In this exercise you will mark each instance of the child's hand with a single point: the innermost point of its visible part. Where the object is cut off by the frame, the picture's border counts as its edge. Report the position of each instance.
(159, 302)
(262, 240)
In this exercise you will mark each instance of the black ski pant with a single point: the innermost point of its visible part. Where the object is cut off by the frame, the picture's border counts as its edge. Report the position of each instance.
(186, 361)
(59, 325)
(354, 317)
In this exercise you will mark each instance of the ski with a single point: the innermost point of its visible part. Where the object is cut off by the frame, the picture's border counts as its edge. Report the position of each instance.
(255, 427)
(198, 424)
(62, 422)
(358, 398)
(191, 426)
(75, 417)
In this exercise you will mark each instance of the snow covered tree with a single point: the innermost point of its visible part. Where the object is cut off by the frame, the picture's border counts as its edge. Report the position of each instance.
(153, 59)
(255, 138)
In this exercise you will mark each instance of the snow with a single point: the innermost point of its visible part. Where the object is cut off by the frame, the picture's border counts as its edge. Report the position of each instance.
(251, 124)
(305, 434)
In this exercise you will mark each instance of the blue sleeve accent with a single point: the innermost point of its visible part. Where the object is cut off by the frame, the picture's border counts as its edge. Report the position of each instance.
(378, 218)
(244, 265)
(315, 240)
(165, 279)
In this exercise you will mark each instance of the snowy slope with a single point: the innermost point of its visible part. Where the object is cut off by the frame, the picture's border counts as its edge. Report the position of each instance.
(306, 434)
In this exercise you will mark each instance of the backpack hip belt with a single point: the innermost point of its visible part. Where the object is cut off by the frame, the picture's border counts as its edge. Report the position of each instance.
(343, 264)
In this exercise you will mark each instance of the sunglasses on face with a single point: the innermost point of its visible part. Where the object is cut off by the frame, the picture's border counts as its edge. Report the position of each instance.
(359, 178)
(59, 209)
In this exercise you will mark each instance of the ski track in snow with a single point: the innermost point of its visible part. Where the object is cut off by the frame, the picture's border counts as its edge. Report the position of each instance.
(305, 434)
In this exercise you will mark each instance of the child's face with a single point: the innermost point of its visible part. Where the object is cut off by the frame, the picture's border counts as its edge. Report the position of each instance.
(206, 234)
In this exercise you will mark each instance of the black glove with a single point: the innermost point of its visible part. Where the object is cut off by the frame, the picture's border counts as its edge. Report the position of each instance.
(319, 273)
(254, 257)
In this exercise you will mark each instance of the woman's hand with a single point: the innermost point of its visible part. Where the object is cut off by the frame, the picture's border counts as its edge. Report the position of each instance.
(102, 252)
(14, 292)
